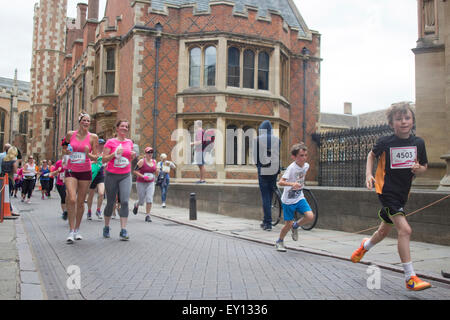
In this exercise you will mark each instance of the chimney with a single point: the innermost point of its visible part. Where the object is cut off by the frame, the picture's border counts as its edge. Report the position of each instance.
(348, 108)
(93, 9)
(81, 15)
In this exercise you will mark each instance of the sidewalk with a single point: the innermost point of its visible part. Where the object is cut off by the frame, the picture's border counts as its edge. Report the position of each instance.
(428, 259)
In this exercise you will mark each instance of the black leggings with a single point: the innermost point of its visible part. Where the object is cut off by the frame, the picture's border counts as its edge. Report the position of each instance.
(62, 192)
(28, 187)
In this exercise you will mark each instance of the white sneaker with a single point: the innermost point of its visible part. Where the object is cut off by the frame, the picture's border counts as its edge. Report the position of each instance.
(294, 233)
(71, 238)
(163, 205)
(77, 235)
(280, 246)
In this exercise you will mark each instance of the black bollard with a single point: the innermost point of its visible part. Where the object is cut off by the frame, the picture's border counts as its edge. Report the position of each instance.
(192, 207)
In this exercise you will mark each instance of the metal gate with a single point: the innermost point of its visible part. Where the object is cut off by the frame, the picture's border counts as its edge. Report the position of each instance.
(343, 155)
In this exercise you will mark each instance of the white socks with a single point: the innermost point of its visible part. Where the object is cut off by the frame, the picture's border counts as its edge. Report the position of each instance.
(368, 245)
(409, 270)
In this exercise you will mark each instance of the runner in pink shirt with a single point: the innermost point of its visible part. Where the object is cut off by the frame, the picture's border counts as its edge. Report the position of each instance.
(118, 154)
(82, 149)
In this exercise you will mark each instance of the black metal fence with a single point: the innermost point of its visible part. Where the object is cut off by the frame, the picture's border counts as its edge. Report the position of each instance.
(343, 155)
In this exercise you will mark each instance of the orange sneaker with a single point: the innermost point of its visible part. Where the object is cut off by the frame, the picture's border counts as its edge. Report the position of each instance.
(358, 254)
(415, 284)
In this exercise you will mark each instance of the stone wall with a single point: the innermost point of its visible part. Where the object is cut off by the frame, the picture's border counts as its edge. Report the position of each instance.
(343, 209)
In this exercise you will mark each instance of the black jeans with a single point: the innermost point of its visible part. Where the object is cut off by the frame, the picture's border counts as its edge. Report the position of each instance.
(267, 185)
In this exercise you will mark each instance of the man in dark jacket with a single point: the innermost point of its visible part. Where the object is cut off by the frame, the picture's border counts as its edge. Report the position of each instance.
(267, 156)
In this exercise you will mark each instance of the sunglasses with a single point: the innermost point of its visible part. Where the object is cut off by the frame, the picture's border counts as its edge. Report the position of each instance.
(150, 152)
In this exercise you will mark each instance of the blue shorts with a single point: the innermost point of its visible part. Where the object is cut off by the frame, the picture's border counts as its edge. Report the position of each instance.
(289, 209)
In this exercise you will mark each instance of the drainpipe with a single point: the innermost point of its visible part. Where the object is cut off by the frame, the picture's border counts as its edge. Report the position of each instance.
(158, 28)
(73, 100)
(305, 53)
(83, 86)
(67, 110)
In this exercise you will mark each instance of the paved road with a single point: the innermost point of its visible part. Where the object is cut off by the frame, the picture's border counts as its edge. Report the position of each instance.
(166, 260)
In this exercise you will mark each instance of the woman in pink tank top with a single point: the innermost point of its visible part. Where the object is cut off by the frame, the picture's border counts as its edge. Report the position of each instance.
(82, 149)
(146, 172)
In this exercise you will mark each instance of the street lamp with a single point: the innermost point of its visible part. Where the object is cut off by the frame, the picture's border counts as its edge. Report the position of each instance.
(305, 53)
(158, 28)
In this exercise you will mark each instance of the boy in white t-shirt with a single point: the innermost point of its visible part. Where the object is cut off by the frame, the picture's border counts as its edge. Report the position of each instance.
(293, 199)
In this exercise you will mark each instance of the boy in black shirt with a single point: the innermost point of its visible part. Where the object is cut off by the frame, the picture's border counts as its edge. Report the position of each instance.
(400, 157)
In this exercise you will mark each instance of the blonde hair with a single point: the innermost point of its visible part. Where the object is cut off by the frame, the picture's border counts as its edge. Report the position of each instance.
(401, 107)
(83, 114)
(11, 154)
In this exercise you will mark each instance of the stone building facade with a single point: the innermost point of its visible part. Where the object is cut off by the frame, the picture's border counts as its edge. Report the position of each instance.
(432, 58)
(15, 112)
(164, 64)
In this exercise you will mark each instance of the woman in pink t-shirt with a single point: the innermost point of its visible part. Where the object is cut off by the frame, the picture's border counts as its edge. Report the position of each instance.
(118, 153)
(82, 149)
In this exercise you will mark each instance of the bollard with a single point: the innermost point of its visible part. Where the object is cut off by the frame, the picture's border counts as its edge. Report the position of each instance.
(192, 207)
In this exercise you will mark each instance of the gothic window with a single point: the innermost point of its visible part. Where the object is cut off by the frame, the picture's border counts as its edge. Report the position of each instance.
(263, 71)
(210, 66)
(194, 67)
(231, 150)
(233, 67)
(96, 72)
(23, 122)
(249, 69)
(110, 70)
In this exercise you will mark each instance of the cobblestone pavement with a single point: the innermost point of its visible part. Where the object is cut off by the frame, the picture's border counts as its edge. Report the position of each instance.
(167, 260)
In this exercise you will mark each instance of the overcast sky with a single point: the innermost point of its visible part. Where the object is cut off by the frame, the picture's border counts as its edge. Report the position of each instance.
(366, 48)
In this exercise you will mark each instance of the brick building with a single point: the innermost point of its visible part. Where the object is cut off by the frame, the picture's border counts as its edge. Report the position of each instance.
(164, 64)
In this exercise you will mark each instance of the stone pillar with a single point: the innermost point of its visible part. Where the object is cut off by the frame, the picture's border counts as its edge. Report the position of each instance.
(445, 182)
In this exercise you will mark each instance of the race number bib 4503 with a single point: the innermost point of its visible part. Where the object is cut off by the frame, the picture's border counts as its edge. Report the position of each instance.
(403, 157)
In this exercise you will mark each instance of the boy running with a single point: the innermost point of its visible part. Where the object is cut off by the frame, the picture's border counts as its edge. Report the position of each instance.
(293, 199)
(400, 157)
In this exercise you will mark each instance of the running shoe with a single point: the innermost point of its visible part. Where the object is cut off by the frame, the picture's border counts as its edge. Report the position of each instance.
(64, 215)
(294, 233)
(358, 254)
(163, 205)
(71, 238)
(148, 219)
(78, 235)
(28, 200)
(106, 232)
(135, 209)
(99, 214)
(124, 235)
(42, 198)
(415, 284)
(89, 215)
(279, 245)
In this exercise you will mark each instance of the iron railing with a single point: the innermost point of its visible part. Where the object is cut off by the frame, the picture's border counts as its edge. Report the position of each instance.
(343, 155)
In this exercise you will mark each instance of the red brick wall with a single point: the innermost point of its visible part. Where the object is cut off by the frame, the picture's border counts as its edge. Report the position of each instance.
(199, 104)
(250, 105)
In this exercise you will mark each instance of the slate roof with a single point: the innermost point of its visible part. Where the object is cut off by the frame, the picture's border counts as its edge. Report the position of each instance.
(285, 8)
(8, 84)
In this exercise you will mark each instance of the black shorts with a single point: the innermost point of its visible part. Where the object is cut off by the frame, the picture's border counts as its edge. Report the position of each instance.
(391, 207)
(99, 178)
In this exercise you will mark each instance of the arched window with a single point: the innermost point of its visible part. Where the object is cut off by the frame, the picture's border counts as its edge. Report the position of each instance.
(195, 55)
(249, 69)
(233, 67)
(263, 71)
(209, 78)
(2, 127)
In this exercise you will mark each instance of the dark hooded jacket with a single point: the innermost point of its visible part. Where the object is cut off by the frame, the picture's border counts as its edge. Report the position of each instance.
(270, 159)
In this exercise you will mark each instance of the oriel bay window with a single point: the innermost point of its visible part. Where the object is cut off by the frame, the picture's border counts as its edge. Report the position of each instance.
(251, 59)
(202, 66)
